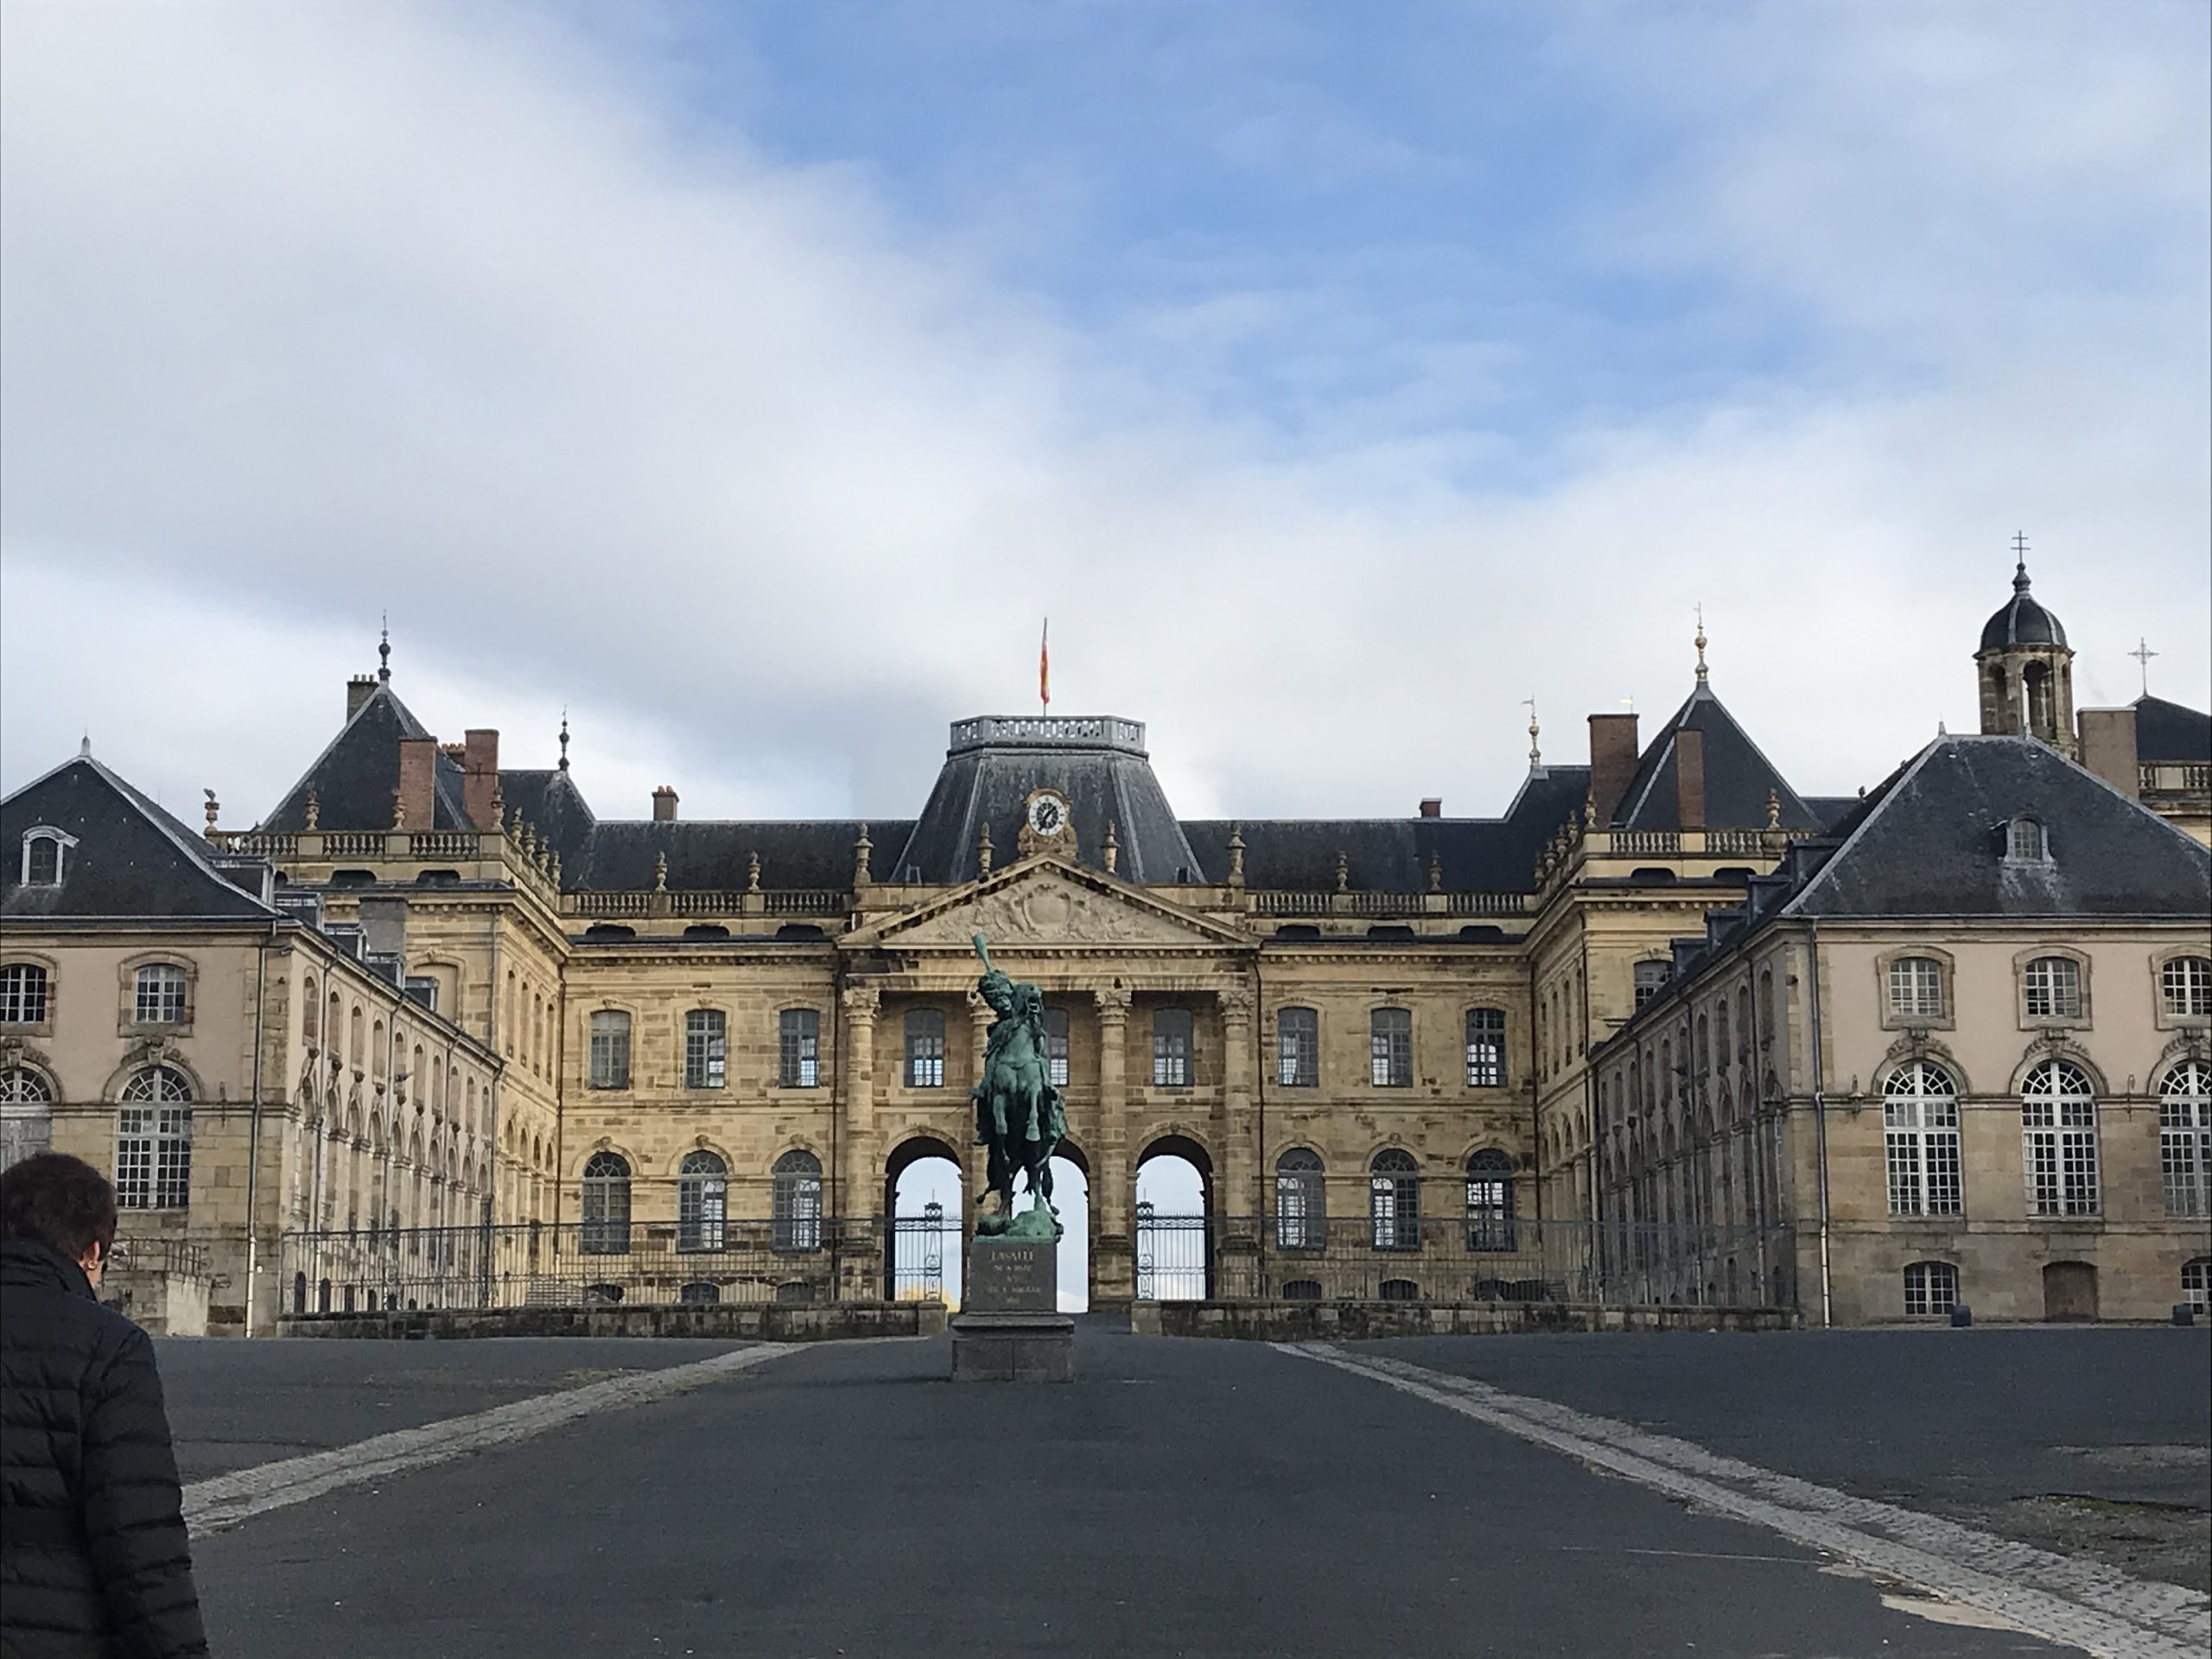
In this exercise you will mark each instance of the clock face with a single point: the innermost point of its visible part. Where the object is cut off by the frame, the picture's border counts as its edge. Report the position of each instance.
(1048, 813)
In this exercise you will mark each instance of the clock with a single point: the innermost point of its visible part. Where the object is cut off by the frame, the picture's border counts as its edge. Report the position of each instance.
(1048, 814)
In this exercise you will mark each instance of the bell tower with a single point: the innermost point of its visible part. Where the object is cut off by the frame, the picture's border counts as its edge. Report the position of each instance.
(2025, 668)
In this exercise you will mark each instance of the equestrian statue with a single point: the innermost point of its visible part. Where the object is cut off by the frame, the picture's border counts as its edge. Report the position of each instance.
(1020, 1115)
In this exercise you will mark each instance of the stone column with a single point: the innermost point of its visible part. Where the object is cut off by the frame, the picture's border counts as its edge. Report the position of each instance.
(974, 1160)
(1236, 1126)
(861, 1161)
(1113, 1249)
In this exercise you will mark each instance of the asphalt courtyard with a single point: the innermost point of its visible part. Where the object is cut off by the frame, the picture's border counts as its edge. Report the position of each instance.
(1806, 1494)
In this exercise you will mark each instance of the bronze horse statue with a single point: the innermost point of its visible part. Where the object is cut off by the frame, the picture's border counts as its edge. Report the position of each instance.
(1020, 1115)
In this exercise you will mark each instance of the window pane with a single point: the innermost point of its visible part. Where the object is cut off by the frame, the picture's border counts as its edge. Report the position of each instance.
(1056, 1046)
(2054, 989)
(925, 1049)
(798, 1048)
(160, 998)
(1297, 1048)
(1916, 987)
(610, 1049)
(1486, 1048)
(1391, 1042)
(43, 864)
(706, 1048)
(23, 994)
(1171, 1048)
(2185, 984)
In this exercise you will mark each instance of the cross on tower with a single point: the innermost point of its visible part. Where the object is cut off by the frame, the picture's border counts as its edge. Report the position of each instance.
(2143, 654)
(2020, 545)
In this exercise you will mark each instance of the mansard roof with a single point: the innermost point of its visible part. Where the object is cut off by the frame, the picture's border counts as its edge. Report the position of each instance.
(129, 857)
(2170, 731)
(1737, 776)
(551, 803)
(708, 854)
(1393, 854)
(355, 776)
(1932, 841)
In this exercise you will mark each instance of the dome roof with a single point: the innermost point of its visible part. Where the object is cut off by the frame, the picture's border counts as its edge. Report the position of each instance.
(2022, 621)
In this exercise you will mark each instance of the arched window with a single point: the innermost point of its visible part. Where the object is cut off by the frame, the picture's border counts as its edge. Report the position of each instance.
(606, 1205)
(2185, 1138)
(1400, 1290)
(1301, 1201)
(924, 1048)
(153, 1141)
(357, 1047)
(796, 1211)
(1390, 1043)
(1297, 1048)
(1394, 1200)
(310, 1012)
(2196, 1281)
(1056, 1046)
(700, 1292)
(1489, 1202)
(1486, 1048)
(2023, 841)
(158, 998)
(2054, 989)
(23, 994)
(1721, 1049)
(378, 1060)
(1920, 1111)
(2185, 987)
(702, 1201)
(610, 1049)
(799, 1049)
(21, 1086)
(706, 1048)
(43, 855)
(1931, 1290)
(2058, 1118)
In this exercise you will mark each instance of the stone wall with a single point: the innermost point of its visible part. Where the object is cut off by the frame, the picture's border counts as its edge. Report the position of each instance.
(757, 1322)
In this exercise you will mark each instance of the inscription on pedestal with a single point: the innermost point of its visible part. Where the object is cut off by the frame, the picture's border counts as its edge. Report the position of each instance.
(1012, 1275)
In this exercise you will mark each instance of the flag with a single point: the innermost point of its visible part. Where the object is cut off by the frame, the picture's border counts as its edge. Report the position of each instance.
(1045, 664)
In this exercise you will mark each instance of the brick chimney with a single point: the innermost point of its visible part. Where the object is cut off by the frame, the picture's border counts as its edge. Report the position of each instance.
(1613, 761)
(357, 693)
(480, 774)
(418, 773)
(1689, 780)
(664, 805)
(1432, 806)
(2109, 748)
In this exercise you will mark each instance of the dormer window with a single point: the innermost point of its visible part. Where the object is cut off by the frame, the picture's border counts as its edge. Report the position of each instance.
(43, 850)
(2025, 844)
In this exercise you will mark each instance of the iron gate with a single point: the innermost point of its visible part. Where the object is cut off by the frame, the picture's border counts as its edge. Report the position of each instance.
(1174, 1257)
(919, 1248)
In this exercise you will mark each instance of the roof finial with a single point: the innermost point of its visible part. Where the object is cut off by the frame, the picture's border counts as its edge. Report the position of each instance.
(1700, 645)
(983, 851)
(85, 747)
(383, 649)
(861, 846)
(2020, 553)
(1535, 754)
(2143, 654)
(1109, 849)
(660, 872)
(752, 871)
(1773, 810)
(214, 812)
(564, 738)
(314, 820)
(1343, 872)
(1236, 854)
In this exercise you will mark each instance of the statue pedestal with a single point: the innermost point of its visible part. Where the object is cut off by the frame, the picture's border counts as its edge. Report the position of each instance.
(1009, 1328)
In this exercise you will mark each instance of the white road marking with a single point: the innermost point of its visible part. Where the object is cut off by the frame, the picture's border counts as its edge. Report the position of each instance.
(2057, 1596)
(226, 1500)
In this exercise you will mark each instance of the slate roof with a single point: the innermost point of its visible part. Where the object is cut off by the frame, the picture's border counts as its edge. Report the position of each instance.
(1099, 765)
(705, 853)
(1737, 776)
(2021, 622)
(132, 858)
(2169, 731)
(1392, 855)
(1931, 842)
(1829, 810)
(550, 802)
(354, 777)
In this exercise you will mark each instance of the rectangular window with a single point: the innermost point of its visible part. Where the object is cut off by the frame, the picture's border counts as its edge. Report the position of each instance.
(1056, 1046)
(1651, 978)
(2185, 987)
(1297, 1048)
(153, 1158)
(2062, 1159)
(925, 1049)
(610, 1049)
(422, 990)
(798, 1048)
(1931, 1290)
(1171, 1048)
(2054, 989)
(1916, 987)
(1924, 1159)
(2185, 1160)
(23, 994)
(160, 1000)
(1486, 1048)
(706, 1048)
(1391, 1043)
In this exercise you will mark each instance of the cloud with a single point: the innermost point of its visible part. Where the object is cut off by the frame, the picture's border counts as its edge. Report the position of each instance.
(316, 313)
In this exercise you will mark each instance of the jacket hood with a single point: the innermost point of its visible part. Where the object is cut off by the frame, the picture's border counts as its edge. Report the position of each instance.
(31, 1262)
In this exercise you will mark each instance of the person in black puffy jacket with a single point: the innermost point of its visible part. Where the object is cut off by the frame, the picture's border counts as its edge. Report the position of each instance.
(94, 1562)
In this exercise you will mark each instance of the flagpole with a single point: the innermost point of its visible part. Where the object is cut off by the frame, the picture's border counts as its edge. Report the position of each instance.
(1044, 670)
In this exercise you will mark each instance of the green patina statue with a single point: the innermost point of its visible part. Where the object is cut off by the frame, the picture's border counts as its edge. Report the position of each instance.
(1019, 1114)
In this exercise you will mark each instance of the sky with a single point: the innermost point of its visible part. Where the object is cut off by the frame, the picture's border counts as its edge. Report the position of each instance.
(751, 381)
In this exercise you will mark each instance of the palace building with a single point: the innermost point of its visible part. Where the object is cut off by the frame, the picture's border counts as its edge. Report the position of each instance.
(446, 1033)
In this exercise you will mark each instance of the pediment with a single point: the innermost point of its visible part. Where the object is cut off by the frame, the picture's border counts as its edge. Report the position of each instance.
(1044, 903)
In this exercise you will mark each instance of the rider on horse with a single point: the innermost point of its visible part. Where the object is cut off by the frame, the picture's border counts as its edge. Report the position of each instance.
(1020, 1115)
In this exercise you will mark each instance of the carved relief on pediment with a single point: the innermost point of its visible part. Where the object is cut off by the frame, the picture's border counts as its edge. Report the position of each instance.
(1048, 910)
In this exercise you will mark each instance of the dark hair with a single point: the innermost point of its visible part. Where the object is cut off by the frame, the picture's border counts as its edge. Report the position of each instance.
(59, 1201)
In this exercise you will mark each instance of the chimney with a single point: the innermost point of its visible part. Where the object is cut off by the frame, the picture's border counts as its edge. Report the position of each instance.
(1431, 807)
(357, 693)
(664, 805)
(1612, 762)
(1689, 778)
(2109, 748)
(418, 772)
(480, 774)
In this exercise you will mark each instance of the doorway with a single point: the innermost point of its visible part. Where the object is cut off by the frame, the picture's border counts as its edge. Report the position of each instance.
(2069, 1292)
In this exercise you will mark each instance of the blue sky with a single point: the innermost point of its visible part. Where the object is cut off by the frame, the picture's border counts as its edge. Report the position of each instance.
(750, 378)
